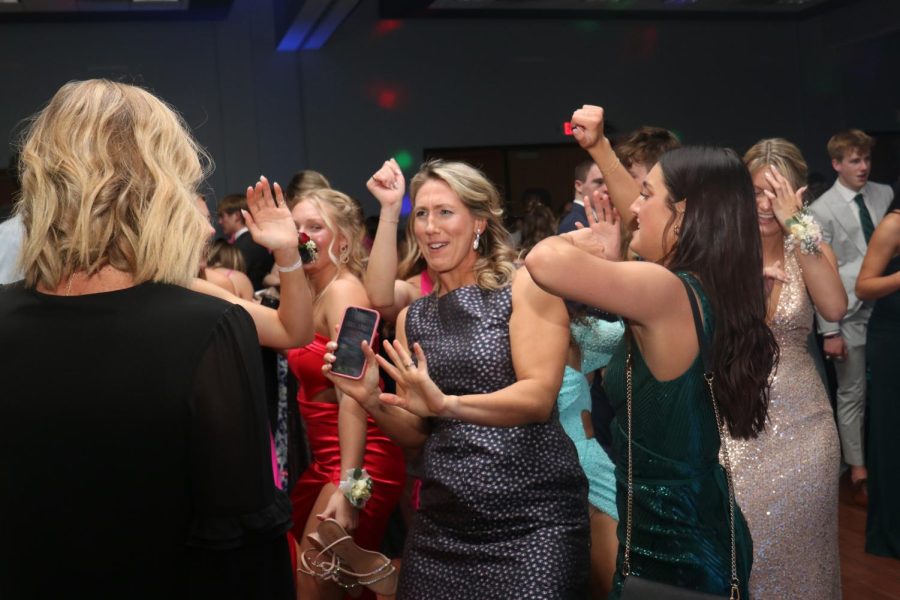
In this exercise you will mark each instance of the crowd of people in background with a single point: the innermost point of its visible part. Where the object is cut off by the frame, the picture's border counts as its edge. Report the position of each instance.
(607, 397)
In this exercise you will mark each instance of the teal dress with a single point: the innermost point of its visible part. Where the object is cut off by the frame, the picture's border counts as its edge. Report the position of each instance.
(680, 524)
(597, 339)
(883, 462)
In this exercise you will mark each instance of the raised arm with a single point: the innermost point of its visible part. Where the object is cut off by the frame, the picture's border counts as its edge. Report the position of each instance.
(271, 225)
(650, 297)
(884, 245)
(820, 272)
(587, 128)
(539, 340)
(387, 294)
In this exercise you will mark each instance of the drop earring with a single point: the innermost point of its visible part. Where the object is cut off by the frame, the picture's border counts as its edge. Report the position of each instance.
(477, 239)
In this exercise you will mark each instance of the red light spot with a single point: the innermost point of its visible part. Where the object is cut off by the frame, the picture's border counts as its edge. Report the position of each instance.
(387, 99)
(567, 128)
(386, 26)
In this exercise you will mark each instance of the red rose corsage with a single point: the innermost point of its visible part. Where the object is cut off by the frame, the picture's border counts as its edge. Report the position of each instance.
(307, 247)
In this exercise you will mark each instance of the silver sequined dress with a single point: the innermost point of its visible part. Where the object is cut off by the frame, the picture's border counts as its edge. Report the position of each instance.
(504, 511)
(786, 480)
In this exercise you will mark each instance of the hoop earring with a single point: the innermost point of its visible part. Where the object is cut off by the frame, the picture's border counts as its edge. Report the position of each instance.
(477, 239)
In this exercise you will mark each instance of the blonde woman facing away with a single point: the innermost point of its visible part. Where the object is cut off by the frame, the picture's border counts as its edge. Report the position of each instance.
(147, 467)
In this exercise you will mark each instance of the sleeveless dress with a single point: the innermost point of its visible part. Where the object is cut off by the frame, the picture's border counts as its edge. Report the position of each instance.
(383, 459)
(503, 510)
(882, 351)
(680, 531)
(597, 340)
(786, 480)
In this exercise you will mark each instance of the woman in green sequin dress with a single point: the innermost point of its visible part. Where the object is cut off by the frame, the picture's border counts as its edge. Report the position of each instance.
(696, 221)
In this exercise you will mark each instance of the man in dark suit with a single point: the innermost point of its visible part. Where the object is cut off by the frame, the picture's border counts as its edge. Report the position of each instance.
(257, 259)
(848, 213)
(587, 179)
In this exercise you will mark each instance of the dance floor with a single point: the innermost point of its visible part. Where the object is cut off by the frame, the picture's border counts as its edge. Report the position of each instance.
(864, 576)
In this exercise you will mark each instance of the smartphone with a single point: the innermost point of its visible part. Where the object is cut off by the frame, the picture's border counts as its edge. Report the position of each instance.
(359, 325)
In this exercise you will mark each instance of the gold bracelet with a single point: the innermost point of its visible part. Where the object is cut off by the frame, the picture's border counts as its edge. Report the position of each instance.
(389, 221)
(613, 169)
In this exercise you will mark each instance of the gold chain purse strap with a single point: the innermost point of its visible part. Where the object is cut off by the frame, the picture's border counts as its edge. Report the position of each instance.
(720, 426)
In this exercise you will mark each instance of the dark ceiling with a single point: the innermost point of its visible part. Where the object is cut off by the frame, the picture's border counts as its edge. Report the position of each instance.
(74, 10)
(601, 8)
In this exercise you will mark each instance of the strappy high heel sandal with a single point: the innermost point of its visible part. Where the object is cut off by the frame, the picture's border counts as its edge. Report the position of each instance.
(325, 565)
(371, 569)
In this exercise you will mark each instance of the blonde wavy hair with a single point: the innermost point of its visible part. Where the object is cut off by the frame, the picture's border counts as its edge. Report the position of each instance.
(343, 217)
(780, 153)
(495, 265)
(109, 177)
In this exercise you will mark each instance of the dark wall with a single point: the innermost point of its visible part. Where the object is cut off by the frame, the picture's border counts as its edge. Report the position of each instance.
(378, 89)
(240, 97)
(496, 82)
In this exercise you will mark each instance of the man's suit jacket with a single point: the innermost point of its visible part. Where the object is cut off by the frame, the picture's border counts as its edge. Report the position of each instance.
(259, 260)
(567, 223)
(842, 230)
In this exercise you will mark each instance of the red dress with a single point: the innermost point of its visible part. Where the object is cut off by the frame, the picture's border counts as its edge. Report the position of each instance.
(383, 459)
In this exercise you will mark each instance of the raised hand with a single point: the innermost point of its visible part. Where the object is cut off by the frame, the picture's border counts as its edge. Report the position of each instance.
(387, 184)
(585, 240)
(587, 125)
(422, 398)
(365, 389)
(269, 219)
(605, 224)
(785, 201)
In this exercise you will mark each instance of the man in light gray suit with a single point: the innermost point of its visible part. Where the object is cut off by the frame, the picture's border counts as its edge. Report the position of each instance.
(848, 214)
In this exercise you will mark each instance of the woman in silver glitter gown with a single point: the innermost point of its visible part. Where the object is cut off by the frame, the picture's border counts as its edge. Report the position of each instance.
(786, 480)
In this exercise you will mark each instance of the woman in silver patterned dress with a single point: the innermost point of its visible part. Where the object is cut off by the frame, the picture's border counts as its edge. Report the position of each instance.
(504, 511)
(786, 480)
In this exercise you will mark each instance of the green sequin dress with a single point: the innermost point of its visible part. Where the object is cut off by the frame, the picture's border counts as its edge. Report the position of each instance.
(680, 531)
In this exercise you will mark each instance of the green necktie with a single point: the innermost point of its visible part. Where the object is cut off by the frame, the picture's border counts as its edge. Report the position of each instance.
(865, 218)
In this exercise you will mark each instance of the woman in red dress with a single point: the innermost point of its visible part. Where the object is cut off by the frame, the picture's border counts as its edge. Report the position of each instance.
(341, 435)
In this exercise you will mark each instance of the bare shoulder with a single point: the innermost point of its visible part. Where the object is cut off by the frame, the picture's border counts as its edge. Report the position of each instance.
(891, 222)
(408, 289)
(215, 276)
(347, 286)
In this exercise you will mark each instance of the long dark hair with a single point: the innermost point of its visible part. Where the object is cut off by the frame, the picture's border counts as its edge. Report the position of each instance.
(719, 242)
(537, 224)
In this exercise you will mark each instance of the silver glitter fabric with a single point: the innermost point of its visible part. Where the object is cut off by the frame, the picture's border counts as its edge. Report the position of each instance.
(786, 480)
(504, 511)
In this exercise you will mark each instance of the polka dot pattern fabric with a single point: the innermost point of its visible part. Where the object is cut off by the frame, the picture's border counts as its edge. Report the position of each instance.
(503, 510)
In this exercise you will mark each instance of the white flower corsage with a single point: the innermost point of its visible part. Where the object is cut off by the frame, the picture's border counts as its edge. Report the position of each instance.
(805, 233)
(357, 488)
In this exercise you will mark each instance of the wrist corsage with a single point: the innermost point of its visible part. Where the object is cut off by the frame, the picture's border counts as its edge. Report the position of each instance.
(805, 233)
(307, 247)
(357, 488)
